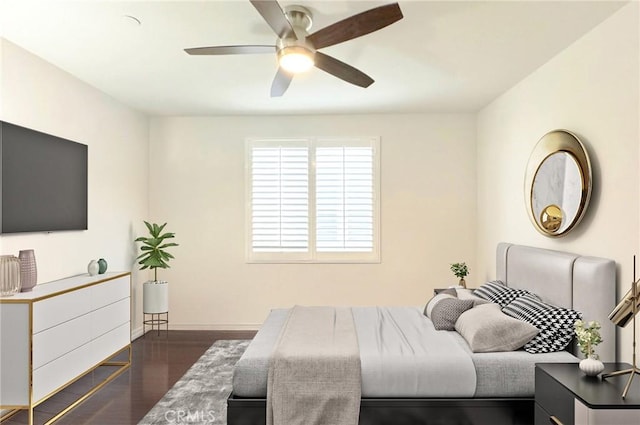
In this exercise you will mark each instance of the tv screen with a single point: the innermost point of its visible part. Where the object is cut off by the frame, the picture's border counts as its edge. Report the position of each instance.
(43, 181)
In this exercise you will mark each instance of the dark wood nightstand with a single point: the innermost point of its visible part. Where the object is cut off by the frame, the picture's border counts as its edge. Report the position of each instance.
(566, 396)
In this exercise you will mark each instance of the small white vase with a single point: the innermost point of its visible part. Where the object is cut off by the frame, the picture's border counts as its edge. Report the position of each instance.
(93, 268)
(591, 366)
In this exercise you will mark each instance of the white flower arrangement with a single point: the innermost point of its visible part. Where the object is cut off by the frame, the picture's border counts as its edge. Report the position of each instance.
(588, 336)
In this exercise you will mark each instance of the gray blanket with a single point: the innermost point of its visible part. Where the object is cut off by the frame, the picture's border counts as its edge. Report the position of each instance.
(314, 371)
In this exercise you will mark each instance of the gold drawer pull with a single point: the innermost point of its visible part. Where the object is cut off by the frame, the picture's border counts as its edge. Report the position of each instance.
(555, 421)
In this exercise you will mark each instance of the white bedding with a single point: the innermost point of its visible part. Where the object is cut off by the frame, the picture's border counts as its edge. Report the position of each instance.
(509, 374)
(402, 355)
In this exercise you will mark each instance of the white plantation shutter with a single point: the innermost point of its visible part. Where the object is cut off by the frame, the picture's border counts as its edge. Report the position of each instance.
(313, 200)
(344, 199)
(280, 199)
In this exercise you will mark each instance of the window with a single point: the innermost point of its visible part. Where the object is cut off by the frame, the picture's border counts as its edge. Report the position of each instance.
(313, 200)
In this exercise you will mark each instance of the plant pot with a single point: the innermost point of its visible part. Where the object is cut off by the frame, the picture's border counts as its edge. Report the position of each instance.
(462, 283)
(591, 366)
(155, 296)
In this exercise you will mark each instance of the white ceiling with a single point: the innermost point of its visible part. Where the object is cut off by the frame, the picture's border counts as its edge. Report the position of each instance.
(443, 56)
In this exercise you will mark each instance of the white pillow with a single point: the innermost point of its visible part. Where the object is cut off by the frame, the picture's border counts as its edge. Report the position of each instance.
(487, 329)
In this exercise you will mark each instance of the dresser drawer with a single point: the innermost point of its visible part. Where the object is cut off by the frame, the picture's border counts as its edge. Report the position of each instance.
(542, 417)
(553, 399)
(61, 371)
(109, 292)
(110, 343)
(53, 311)
(51, 376)
(109, 317)
(61, 339)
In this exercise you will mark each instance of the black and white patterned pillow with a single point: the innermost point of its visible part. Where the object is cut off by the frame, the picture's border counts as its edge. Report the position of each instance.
(554, 323)
(497, 292)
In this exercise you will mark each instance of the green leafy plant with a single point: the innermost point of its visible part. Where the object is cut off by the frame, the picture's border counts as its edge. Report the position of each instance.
(588, 336)
(460, 270)
(154, 255)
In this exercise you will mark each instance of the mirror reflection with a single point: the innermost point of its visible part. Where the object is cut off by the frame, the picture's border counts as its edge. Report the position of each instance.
(557, 190)
(557, 183)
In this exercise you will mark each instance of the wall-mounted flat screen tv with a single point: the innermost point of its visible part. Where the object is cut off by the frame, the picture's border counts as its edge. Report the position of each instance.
(43, 182)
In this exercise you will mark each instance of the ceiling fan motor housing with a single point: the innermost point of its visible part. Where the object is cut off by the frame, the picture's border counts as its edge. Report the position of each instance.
(301, 21)
(299, 16)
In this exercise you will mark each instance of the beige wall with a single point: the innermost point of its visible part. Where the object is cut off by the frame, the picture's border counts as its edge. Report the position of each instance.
(591, 89)
(37, 95)
(444, 197)
(427, 215)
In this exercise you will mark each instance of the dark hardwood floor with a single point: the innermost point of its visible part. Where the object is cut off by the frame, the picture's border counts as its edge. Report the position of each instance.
(158, 361)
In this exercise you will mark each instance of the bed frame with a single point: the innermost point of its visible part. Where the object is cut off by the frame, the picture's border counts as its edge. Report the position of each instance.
(587, 284)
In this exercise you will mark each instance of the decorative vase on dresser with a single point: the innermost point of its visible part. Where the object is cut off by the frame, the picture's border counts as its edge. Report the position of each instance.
(9, 275)
(28, 270)
(102, 266)
(93, 268)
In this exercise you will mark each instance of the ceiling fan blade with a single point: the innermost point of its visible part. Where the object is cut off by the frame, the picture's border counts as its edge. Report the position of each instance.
(275, 17)
(341, 70)
(230, 50)
(281, 82)
(356, 26)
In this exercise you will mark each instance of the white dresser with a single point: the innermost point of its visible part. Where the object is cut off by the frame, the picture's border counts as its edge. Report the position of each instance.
(60, 331)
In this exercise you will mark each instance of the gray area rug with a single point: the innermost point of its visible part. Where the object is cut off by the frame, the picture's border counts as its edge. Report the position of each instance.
(200, 396)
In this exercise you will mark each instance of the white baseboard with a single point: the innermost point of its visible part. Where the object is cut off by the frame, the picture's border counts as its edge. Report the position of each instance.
(136, 333)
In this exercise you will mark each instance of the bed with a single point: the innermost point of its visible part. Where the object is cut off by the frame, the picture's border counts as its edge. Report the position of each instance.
(503, 384)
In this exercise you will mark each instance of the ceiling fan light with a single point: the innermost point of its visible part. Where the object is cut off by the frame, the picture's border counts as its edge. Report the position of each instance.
(295, 59)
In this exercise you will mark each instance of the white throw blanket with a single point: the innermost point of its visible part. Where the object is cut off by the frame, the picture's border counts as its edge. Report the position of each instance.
(314, 373)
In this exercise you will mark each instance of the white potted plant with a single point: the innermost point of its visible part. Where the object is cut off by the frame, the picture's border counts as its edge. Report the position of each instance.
(155, 293)
(588, 336)
(460, 270)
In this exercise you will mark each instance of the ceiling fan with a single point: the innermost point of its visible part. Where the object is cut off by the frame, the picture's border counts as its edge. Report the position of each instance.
(297, 50)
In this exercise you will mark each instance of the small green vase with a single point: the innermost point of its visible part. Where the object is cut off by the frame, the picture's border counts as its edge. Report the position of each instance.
(102, 266)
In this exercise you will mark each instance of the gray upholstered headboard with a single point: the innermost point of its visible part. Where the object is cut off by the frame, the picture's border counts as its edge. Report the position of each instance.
(586, 284)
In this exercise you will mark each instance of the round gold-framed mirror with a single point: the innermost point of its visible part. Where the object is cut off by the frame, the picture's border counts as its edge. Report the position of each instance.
(558, 183)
